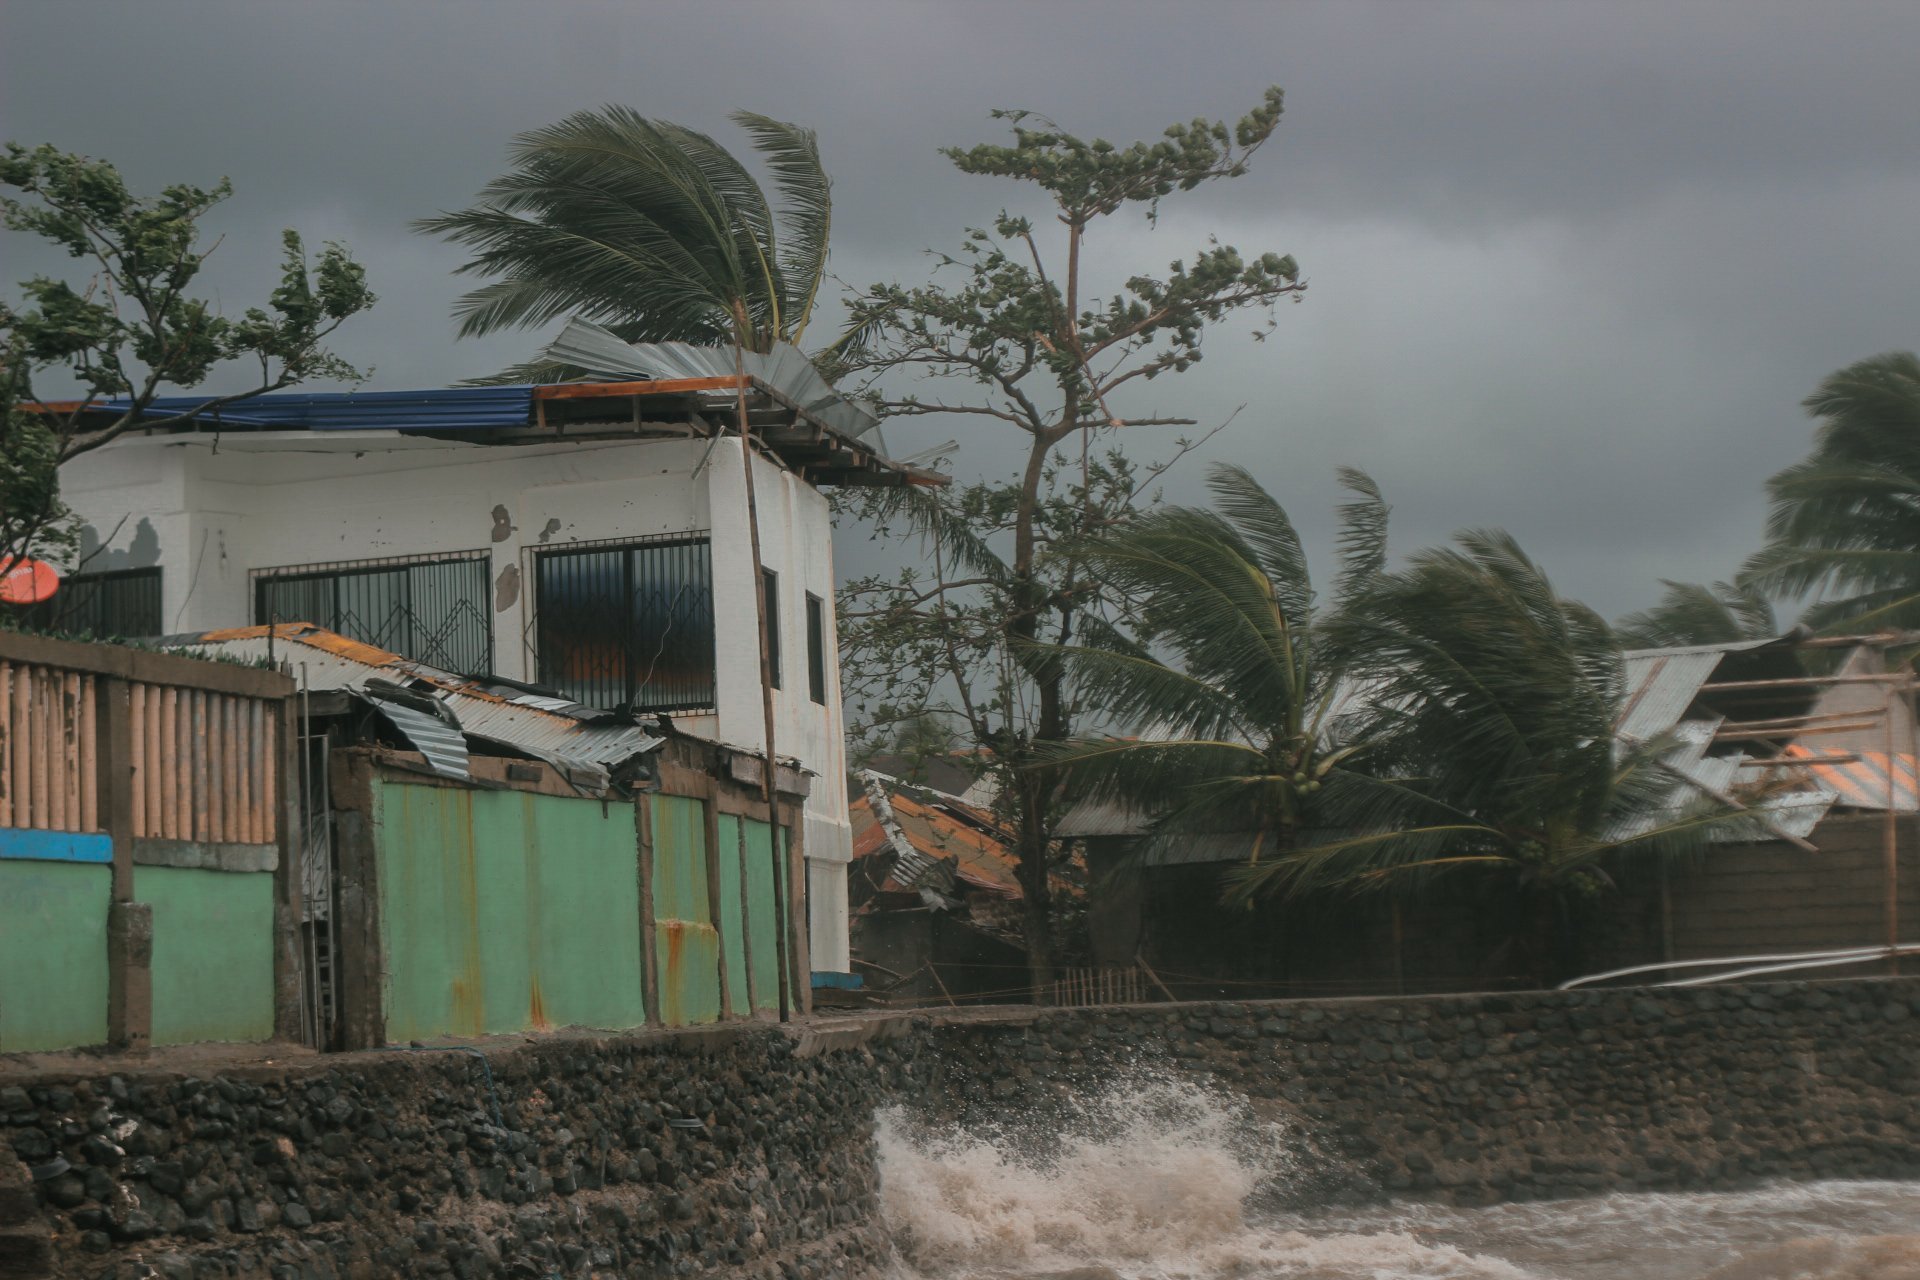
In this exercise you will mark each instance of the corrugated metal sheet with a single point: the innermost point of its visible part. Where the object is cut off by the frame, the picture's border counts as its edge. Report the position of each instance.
(1660, 686)
(1100, 818)
(438, 739)
(1860, 779)
(438, 409)
(786, 369)
(582, 749)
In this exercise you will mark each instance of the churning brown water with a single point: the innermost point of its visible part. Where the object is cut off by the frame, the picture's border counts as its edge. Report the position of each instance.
(1165, 1181)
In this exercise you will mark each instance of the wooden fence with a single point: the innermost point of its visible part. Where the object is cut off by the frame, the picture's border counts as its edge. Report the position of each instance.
(203, 762)
(1075, 987)
(143, 858)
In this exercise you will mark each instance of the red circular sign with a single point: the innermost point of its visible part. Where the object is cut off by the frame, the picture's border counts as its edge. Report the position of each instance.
(28, 582)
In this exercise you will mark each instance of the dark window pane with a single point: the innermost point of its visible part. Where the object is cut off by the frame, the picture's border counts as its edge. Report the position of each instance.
(432, 609)
(627, 626)
(770, 585)
(816, 648)
(115, 603)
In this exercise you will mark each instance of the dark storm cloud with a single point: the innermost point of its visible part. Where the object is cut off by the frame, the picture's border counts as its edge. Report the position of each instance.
(1572, 266)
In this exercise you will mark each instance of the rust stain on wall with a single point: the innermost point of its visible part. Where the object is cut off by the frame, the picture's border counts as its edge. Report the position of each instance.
(536, 1008)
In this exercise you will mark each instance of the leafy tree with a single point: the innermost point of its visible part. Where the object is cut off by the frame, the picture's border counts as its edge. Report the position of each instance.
(132, 329)
(1488, 710)
(1011, 335)
(1229, 695)
(1845, 522)
(652, 230)
(1692, 614)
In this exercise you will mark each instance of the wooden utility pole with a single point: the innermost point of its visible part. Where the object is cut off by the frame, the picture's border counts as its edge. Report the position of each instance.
(768, 777)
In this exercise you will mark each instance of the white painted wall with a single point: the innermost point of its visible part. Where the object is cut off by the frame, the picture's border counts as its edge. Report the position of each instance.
(269, 500)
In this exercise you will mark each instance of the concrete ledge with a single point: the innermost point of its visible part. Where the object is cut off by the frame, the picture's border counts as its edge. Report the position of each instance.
(203, 855)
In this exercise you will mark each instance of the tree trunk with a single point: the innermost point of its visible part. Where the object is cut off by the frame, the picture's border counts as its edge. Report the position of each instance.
(1036, 915)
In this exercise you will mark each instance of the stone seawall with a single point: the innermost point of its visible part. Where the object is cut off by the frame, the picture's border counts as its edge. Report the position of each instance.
(749, 1151)
(719, 1152)
(1478, 1099)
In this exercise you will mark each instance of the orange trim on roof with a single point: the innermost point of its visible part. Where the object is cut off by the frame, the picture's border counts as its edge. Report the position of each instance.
(661, 387)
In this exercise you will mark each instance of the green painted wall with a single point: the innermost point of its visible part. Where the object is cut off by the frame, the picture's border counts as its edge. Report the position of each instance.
(53, 954)
(766, 898)
(506, 911)
(733, 907)
(212, 953)
(687, 946)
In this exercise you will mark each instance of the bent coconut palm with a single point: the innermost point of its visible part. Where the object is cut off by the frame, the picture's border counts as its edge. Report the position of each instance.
(1452, 718)
(649, 229)
(1491, 702)
(1236, 720)
(1846, 520)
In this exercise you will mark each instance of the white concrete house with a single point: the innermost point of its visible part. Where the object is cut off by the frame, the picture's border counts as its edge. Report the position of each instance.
(587, 538)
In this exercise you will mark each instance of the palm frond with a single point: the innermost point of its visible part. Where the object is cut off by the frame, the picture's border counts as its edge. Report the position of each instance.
(806, 210)
(1363, 533)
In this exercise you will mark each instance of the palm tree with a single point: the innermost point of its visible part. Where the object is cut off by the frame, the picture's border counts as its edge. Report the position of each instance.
(1846, 520)
(1692, 614)
(1490, 703)
(1234, 720)
(654, 231)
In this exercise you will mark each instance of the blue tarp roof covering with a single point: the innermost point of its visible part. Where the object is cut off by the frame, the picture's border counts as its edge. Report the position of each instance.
(444, 409)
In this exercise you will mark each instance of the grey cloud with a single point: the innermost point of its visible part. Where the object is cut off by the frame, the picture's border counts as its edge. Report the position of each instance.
(1573, 266)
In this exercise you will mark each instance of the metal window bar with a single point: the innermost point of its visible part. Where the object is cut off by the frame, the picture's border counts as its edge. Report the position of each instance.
(627, 624)
(816, 648)
(430, 608)
(111, 603)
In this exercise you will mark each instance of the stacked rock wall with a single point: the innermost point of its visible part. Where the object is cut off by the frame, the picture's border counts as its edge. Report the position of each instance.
(1478, 1099)
(748, 1151)
(697, 1153)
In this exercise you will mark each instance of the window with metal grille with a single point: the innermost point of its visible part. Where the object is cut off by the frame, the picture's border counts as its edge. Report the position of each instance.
(431, 608)
(770, 585)
(816, 648)
(627, 624)
(114, 602)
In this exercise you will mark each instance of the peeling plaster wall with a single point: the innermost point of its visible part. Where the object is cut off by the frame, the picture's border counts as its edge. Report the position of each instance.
(220, 510)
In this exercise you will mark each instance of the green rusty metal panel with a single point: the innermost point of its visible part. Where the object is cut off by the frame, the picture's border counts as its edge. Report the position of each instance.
(506, 911)
(733, 909)
(212, 953)
(581, 904)
(766, 912)
(687, 946)
(53, 954)
(429, 911)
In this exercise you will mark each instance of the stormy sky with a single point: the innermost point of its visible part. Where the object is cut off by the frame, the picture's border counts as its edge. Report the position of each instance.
(1572, 266)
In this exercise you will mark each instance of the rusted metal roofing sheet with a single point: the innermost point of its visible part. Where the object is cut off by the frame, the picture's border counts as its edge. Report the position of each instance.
(582, 748)
(1860, 778)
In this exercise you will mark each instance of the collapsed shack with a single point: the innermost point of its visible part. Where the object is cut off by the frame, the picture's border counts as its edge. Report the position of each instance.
(934, 897)
(1816, 735)
(481, 857)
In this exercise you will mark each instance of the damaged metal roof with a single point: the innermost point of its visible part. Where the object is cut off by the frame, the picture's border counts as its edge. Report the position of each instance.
(786, 369)
(583, 744)
(1662, 683)
(1861, 778)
